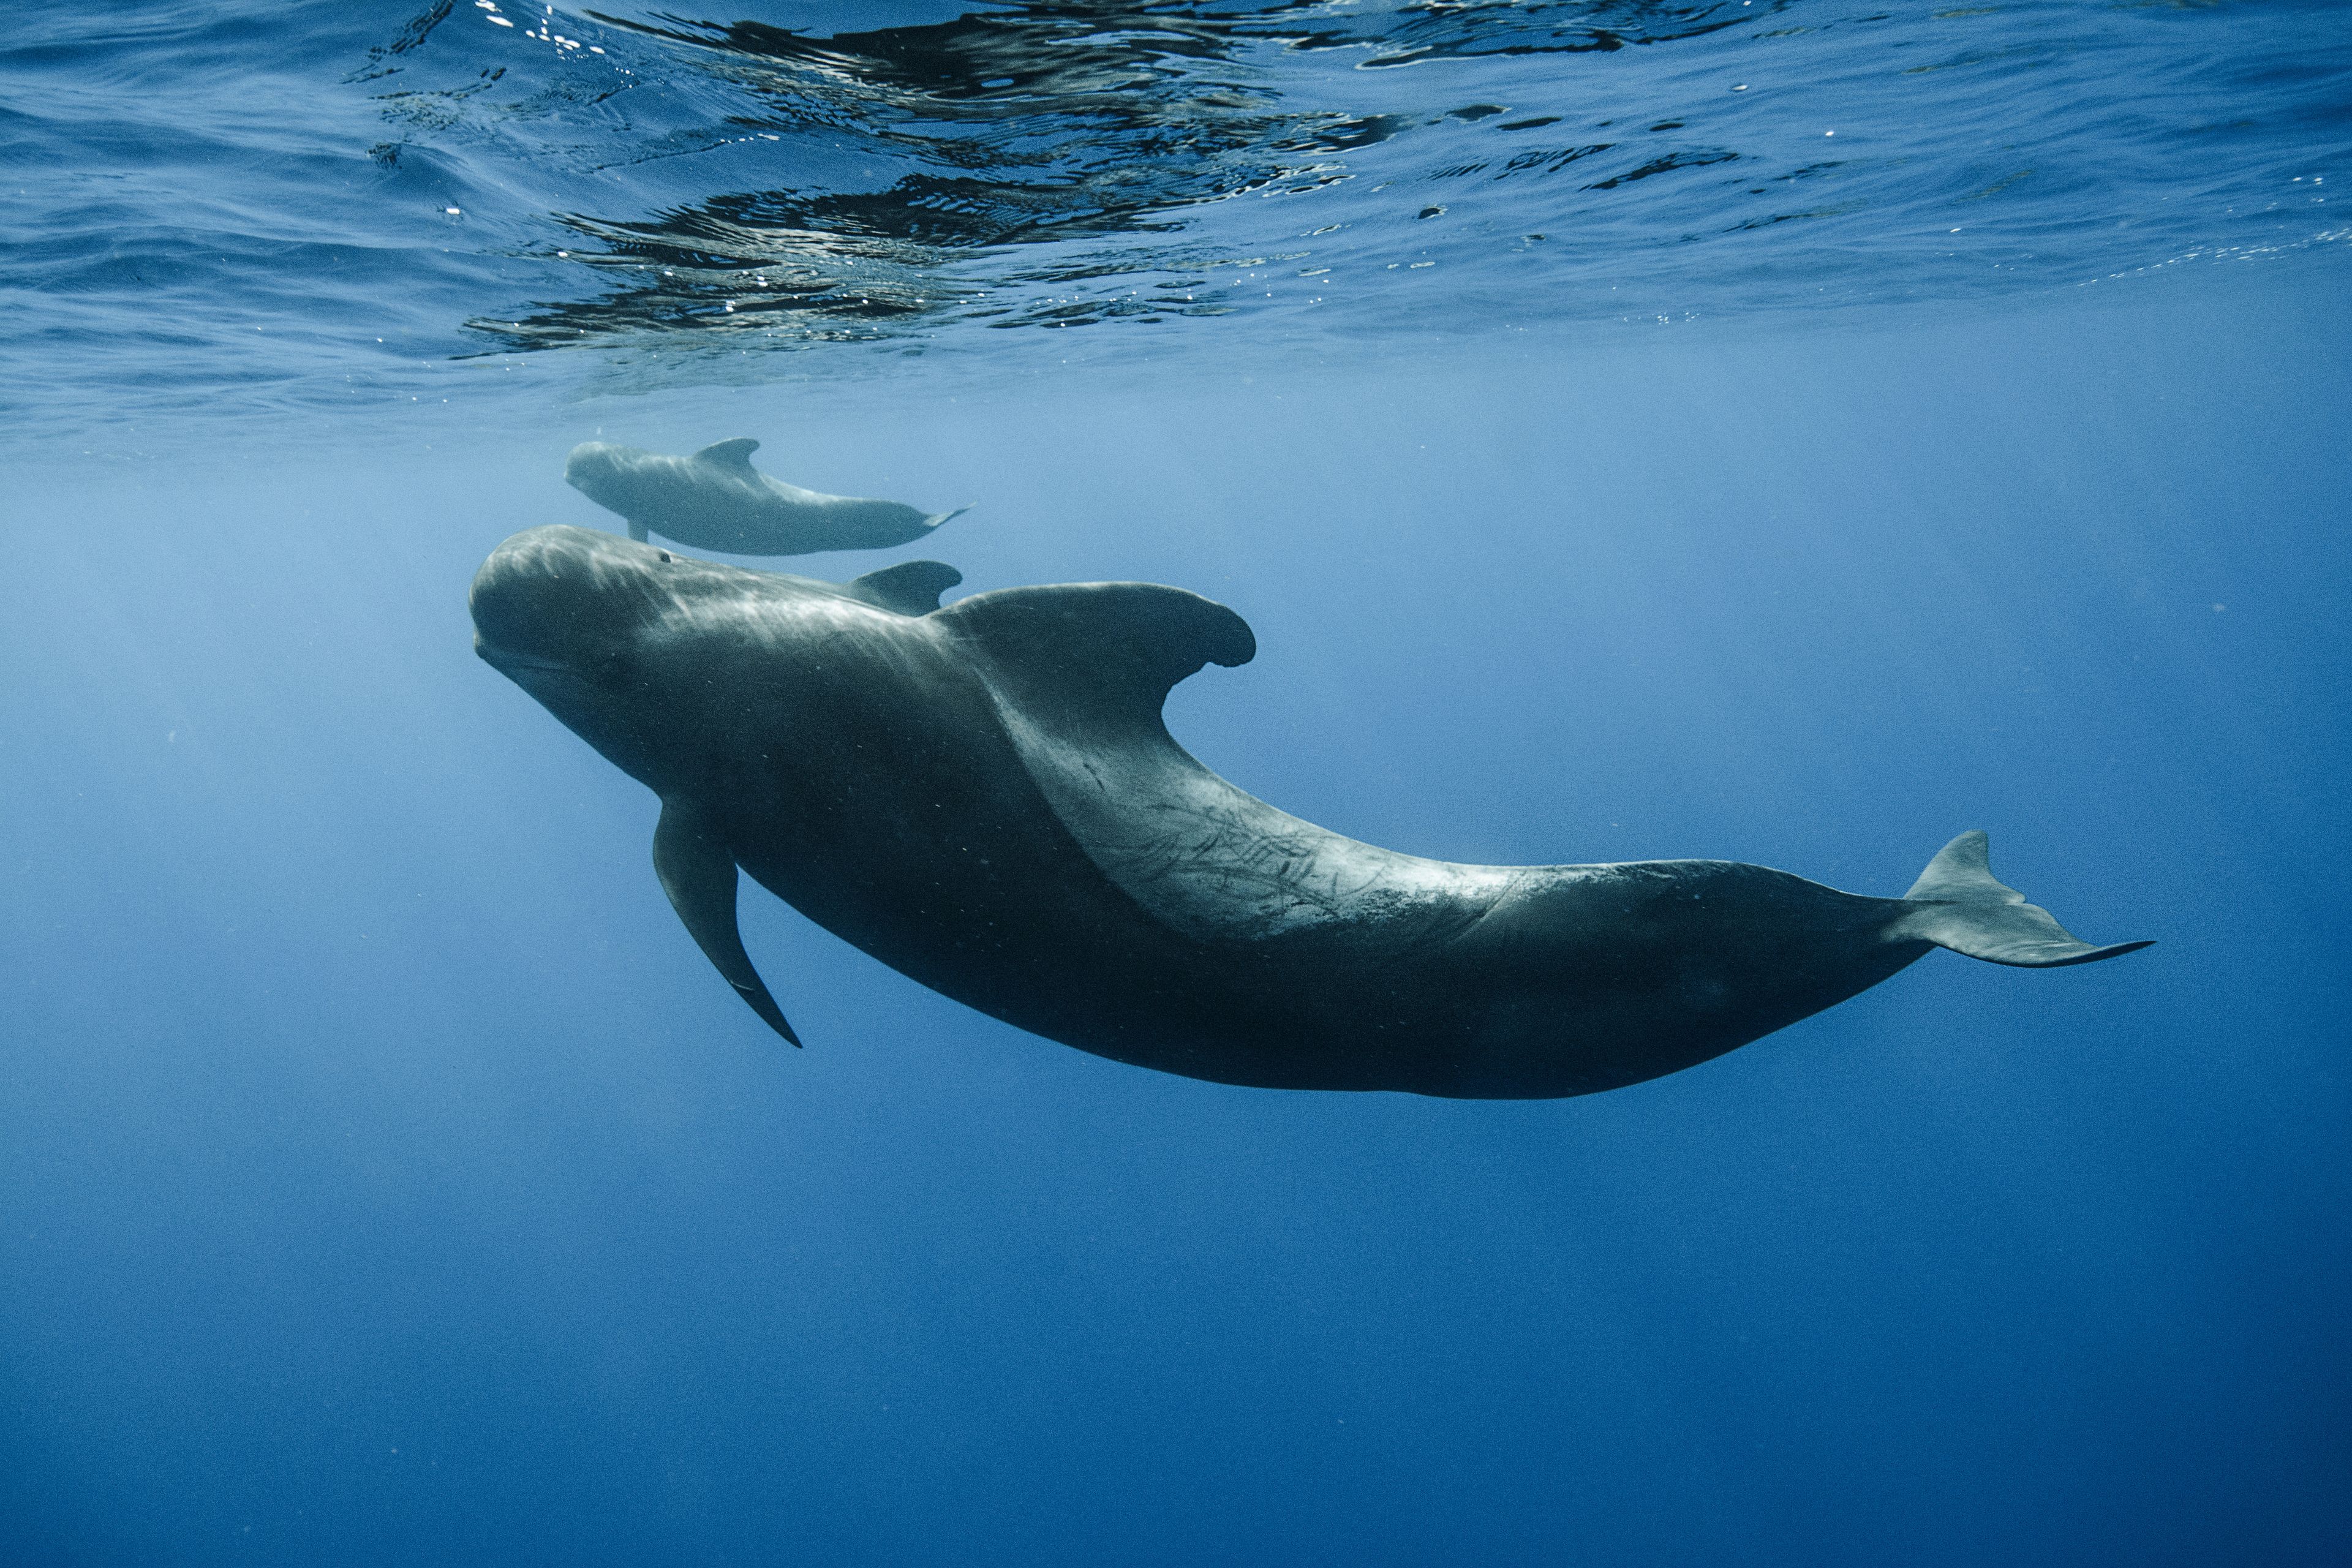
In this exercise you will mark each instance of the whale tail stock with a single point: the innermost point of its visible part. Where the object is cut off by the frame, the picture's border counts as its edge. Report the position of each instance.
(1958, 903)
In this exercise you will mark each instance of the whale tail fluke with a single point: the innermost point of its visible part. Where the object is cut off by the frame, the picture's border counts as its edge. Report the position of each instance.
(936, 518)
(1958, 904)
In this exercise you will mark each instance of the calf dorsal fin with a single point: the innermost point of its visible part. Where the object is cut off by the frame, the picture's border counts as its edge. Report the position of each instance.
(735, 454)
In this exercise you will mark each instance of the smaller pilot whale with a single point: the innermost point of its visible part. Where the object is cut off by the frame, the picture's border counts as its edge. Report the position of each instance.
(716, 500)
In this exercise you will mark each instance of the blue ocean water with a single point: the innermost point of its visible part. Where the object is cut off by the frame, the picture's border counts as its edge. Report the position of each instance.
(385, 1179)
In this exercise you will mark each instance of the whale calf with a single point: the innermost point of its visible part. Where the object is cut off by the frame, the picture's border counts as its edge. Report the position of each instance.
(985, 797)
(714, 500)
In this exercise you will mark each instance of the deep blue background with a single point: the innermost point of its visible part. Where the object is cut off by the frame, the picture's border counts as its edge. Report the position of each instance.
(384, 1178)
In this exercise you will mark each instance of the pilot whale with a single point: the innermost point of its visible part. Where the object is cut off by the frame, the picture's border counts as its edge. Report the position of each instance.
(714, 500)
(985, 797)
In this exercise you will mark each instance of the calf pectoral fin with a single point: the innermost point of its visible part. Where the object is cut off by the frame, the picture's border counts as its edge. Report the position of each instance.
(1958, 903)
(697, 872)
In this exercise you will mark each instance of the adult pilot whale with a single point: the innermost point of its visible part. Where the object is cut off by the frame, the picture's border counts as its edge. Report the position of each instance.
(984, 797)
(714, 500)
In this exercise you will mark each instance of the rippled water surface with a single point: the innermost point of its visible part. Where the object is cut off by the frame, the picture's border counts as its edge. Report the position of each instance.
(251, 202)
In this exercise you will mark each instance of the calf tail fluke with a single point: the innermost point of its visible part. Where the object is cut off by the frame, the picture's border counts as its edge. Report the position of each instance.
(1957, 903)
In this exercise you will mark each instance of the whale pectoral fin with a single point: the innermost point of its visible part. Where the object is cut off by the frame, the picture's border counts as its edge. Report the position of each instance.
(1957, 903)
(1106, 653)
(911, 588)
(735, 454)
(698, 874)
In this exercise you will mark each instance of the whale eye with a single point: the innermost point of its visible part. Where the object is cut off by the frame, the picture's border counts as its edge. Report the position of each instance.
(664, 555)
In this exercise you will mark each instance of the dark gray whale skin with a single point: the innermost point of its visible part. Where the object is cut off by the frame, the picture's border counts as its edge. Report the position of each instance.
(984, 797)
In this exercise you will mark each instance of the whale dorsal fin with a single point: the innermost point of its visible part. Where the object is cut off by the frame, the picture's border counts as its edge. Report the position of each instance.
(1077, 675)
(735, 454)
(1098, 653)
(911, 588)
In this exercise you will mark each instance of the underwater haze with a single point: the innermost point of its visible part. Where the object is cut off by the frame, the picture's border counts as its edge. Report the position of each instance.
(1784, 431)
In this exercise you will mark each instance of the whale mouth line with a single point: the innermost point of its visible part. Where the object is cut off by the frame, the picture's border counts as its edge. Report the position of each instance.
(509, 662)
